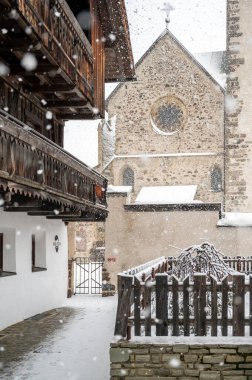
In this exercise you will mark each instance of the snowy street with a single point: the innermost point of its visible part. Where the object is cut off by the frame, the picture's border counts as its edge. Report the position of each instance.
(77, 349)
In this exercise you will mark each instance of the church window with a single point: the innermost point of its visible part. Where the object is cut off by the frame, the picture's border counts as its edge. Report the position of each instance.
(216, 179)
(128, 177)
(168, 115)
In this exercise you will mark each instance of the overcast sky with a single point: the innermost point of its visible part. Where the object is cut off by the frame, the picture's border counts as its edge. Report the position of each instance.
(198, 24)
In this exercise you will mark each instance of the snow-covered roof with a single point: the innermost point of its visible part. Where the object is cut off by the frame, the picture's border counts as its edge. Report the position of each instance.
(236, 219)
(166, 194)
(119, 189)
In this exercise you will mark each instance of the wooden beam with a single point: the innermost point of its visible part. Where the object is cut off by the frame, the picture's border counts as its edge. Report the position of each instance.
(16, 69)
(79, 115)
(65, 103)
(46, 88)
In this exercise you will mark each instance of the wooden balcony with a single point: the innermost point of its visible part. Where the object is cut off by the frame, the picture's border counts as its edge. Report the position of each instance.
(63, 79)
(40, 178)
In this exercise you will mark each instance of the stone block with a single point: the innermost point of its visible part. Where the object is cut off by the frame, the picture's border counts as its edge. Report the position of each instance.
(140, 351)
(180, 348)
(235, 359)
(192, 372)
(142, 358)
(239, 377)
(209, 375)
(223, 351)
(155, 358)
(233, 373)
(119, 372)
(249, 358)
(177, 372)
(162, 372)
(245, 365)
(168, 357)
(245, 349)
(144, 372)
(157, 350)
(118, 355)
(211, 359)
(190, 358)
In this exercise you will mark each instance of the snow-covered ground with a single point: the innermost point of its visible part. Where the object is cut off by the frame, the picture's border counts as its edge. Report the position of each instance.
(79, 351)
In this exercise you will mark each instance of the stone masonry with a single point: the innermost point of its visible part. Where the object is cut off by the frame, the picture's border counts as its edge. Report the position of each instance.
(238, 121)
(185, 157)
(180, 362)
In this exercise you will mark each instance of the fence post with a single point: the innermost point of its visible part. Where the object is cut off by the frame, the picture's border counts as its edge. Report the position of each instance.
(137, 306)
(238, 304)
(123, 308)
(162, 304)
(186, 308)
(175, 302)
(224, 306)
(214, 309)
(200, 303)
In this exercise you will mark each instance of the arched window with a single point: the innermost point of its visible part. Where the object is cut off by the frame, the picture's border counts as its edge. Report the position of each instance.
(128, 177)
(216, 179)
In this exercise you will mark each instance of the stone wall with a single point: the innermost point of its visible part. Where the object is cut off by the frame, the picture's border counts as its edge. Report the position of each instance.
(238, 107)
(82, 236)
(180, 361)
(133, 237)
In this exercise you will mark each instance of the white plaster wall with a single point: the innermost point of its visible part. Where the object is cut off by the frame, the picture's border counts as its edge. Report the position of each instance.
(29, 293)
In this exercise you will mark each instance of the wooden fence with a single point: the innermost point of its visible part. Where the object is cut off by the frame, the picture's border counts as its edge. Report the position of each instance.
(162, 305)
(239, 263)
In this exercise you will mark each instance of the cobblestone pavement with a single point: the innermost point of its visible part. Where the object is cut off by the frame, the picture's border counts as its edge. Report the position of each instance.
(64, 343)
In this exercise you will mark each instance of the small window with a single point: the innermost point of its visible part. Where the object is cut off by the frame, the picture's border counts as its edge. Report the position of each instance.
(7, 252)
(128, 177)
(38, 252)
(216, 179)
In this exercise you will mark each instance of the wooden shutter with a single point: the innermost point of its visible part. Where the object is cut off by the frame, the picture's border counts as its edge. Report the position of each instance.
(33, 250)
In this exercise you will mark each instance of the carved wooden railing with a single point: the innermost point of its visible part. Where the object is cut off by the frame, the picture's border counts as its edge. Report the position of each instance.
(63, 37)
(28, 158)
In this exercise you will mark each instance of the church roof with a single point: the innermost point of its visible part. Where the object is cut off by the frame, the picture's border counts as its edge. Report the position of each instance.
(208, 62)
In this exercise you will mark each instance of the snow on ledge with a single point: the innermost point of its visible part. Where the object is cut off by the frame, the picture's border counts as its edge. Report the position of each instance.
(167, 194)
(119, 189)
(236, 219)
(202, 340)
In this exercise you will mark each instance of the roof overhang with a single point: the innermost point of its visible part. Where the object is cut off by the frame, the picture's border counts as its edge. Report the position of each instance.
(119, 64)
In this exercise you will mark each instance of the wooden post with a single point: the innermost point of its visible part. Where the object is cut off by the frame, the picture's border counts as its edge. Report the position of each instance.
(175, 302)
(123, 307)
(213, 306)
(238, 305)
(186, 290)
(225, 306)
(200, 304)
(137, 306)
(147, 311)
(162, 304)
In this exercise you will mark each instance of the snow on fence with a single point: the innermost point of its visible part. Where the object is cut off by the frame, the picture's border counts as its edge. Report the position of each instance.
(162, 305)
(238, 263)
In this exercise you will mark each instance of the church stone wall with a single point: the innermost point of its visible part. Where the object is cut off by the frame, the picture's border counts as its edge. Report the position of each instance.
(168, 71)
(238, 107)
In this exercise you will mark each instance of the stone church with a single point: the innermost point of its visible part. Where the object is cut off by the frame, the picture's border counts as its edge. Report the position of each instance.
(176, 148)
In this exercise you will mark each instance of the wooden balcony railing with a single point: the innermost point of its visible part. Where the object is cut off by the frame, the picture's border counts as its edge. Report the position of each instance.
(62, 36)
(29, 159)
